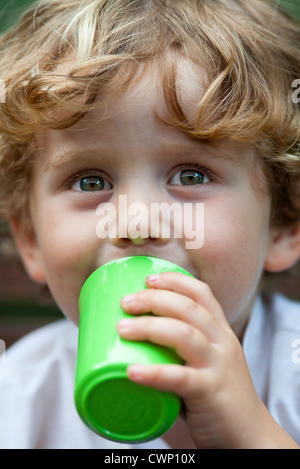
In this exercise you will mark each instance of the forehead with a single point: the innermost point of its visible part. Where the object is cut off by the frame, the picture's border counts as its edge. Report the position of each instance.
(148, 92)
(142, 99)
(139, 117)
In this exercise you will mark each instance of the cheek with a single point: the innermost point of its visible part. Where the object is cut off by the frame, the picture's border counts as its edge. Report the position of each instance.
(68, 246)
(232, 258)
(66, 243)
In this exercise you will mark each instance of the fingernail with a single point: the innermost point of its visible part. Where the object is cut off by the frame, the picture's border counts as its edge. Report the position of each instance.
(152, 278)
(124, 324)
(135, 372)
(128, 299)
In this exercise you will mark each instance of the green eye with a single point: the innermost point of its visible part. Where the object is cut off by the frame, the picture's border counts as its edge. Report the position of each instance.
(191, 177)
(91, 184)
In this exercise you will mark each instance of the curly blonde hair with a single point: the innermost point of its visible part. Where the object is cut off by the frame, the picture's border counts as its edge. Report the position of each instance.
(63, 53)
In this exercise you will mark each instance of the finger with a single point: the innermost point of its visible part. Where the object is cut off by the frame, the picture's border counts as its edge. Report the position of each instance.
(182, 380)
(189, 343)
(191, 287)
(172, 304)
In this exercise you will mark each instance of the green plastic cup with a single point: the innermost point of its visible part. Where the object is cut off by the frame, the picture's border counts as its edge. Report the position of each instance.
(106, 400)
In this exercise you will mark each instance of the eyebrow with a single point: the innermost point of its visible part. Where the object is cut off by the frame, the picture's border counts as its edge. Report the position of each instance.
(68, 158)
(203, 148)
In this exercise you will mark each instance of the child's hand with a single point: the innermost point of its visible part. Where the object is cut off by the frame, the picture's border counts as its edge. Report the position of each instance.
(221, 406)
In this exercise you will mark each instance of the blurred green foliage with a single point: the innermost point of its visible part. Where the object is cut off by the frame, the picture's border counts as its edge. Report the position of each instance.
(10, 11)
(292, 6)
(17, 309)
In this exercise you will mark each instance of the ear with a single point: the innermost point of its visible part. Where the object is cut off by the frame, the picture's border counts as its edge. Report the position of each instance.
(284, 249)
(29, 251)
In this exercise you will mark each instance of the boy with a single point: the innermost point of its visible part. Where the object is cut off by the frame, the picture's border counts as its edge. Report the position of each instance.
(161, 101)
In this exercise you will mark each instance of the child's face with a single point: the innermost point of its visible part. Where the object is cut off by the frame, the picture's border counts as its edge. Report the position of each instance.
(132, 153)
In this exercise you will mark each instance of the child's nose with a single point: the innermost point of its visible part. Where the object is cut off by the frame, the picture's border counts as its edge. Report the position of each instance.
(139, 223)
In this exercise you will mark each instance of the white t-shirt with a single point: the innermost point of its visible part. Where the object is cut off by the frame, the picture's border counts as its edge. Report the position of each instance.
(37, 382)
(272, 348)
